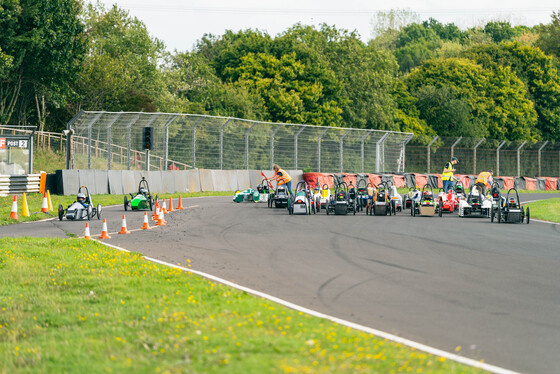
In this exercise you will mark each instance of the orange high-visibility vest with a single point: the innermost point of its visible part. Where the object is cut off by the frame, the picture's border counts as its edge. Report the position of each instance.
(483, 177)
(283, 177)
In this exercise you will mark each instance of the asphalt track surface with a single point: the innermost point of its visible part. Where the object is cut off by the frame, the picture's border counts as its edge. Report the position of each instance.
(492, 289)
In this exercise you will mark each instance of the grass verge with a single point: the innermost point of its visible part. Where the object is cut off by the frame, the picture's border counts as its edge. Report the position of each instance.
(548, 210)
(70, 305)
(35, 201)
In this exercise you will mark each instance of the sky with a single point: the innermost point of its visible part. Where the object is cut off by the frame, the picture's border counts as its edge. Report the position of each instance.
(179, 24)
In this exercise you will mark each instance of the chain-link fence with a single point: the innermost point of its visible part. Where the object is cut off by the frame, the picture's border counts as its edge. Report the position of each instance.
(114, 141)
(510, 158)
(108, 140)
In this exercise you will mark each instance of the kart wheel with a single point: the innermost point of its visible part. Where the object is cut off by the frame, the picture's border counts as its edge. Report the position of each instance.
(492, 214)
(151, 204)
(499, 215)
(89, 212)
(414, 208)
(388, 209)
(528, 214)
(60, 212)
(98, 211)
(125, 203)
(440, 207)
(394, 207)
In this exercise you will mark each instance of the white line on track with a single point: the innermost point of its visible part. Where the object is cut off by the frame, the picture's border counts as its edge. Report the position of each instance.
(382, 334)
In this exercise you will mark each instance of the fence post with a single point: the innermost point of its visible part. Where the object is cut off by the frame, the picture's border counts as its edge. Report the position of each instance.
(247, 145)
(378, 161)
(519, 159)
(453, 146)
(109, 126)
(90, 124)
(429, 151)
(166, 141)
(272, 144)
(222, 143)
(403, 152)
(319, 149)
(474, 153)
(296, 135)
(194, 141)
(539, 156)
(363, 148)
(498, 157)
(342, 149)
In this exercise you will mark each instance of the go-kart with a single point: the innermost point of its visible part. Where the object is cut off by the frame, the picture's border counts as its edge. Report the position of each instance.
(249, 195)
(302, 203)
(396, 199)
(412, 195)
(317, 195)
(459, 192)
(80, 210)
(475, 205)
(448, 200)
(143, 200)
(509, 210)
(382, 203)
(339, 203)
(363, 196)
(264, 190)
(427, 205)
(352, 198)
(279, 198)
(371, 191)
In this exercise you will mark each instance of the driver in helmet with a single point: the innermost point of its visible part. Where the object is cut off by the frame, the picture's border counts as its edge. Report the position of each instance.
(143, 191)
(81, 198)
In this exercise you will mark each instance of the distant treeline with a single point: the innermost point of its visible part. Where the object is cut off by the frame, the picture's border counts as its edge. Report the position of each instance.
(496, 81)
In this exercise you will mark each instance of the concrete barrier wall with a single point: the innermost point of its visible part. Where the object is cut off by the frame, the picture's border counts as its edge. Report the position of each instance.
(119, 182)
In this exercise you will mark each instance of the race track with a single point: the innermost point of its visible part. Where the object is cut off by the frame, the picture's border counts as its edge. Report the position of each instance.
(492, 289)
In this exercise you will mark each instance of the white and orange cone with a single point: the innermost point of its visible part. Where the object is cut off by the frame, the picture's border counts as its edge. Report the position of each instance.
(87, 235)
(13, 213)
(45, 205)
(164, 207)
(156, 212)
(161, 220)
(180, 205)
(171, 205)
(146, 225)
(104, 233)
(124, 230)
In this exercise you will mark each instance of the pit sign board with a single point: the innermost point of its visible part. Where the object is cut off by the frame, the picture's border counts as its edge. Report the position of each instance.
(13, 143)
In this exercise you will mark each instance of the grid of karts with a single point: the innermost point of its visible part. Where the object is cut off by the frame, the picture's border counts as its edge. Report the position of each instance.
(384, 200)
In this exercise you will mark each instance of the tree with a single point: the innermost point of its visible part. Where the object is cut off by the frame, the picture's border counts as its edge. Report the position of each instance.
(448, 32)
(495, 101)
(499, 31)
(5, 63)
(386, 26)
(415, 44)
(538, 73)
(549, 36)
(46, 42)
(121, 71)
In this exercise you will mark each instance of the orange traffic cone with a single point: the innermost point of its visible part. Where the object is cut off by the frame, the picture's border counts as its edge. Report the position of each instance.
(123, 226)
(146, 225)
(180, 205)
(45, 205)
(87, 234)
(156, 212)
(161, 221)
(13, 213)
(104, 234)
(164, 207)
(171, 205)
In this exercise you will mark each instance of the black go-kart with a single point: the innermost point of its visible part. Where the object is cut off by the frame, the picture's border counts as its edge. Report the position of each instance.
(509, 210)
(363, 197)
(279, 198)
(382, 203)
(339, 203)
(80, 210)
(352, 198)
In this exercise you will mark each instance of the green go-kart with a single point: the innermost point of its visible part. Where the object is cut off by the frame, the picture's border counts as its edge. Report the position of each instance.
(143, 200)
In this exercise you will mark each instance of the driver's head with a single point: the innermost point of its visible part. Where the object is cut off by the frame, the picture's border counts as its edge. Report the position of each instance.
(81, 198)
(143, 190)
